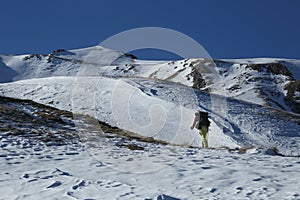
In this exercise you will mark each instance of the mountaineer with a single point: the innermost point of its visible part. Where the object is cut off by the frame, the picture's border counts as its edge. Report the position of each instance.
(202, 123)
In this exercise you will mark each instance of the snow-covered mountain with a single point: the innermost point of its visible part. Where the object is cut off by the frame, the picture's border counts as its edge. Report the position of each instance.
(97, 123)
(271, 82)
(67, 79)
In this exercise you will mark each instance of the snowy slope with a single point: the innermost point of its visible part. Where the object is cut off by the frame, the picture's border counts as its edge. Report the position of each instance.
(154, 98)
(42, 155)
(62, 62)
(264, 81)
(161, 110)
(76, 95)
(70, 172)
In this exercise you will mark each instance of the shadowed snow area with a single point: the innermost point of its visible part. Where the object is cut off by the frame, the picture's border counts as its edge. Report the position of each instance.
(7, 74)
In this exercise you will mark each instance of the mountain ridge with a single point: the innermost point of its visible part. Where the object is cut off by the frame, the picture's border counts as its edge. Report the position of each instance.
(265, 81)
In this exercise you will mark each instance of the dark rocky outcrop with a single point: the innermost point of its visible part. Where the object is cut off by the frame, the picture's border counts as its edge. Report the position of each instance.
(275, 68)
(291, 99)
(38, 56)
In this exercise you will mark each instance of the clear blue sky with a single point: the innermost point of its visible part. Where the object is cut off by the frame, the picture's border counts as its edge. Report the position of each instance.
(225, 28)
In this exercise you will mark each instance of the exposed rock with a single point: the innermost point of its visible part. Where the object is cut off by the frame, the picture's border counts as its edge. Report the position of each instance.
(38, 56)
(293, 87)
(130, 56)
(291, 99)
(57, 51)
(275, 68)
(199, 68)
(199, 81)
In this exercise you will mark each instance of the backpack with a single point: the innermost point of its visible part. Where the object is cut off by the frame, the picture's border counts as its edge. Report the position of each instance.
(202, 120)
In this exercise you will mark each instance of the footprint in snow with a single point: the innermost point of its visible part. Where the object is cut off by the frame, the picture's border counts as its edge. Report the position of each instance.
(60, 172)
(79, 185)
(55, 184)
(257, 179)
(206, 167)
(26, 176)
(166, 197)
(154, 92)
(239, 190)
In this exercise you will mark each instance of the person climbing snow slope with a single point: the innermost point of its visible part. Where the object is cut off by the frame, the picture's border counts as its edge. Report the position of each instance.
(202, 123)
